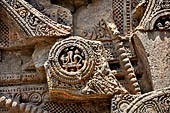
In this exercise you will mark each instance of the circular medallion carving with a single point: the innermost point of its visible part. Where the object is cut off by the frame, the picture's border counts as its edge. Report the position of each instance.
(35, 98)
(71, 60)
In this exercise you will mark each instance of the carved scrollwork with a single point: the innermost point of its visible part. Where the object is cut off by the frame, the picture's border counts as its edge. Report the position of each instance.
(16, 107)
(155, 10)
(154, 102)
(34, 22)
(80, 65)
(35, 98)
(70, 61)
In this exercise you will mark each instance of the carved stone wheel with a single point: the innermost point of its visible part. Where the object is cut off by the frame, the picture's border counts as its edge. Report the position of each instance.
(69, 58)
(152, 102)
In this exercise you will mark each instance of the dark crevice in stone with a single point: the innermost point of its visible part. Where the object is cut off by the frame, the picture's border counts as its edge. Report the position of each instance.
(89, 1)
(53, 1)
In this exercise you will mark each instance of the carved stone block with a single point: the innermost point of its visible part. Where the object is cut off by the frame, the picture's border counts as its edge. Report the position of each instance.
(77, 70)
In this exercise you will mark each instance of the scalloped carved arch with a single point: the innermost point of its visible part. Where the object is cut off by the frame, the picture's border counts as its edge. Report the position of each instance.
(156, 17)
(155, 10)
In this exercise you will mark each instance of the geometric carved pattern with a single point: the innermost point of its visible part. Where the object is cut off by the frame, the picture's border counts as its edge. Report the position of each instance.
(122, 15)
(152, 102)
(120, 102)
(4, 35)
(53, 107)
(118, 8)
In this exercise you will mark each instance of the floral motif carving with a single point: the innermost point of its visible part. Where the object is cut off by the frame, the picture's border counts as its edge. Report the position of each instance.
(34, 22)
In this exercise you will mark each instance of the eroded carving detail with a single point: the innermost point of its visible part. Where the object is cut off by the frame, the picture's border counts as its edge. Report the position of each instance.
(83, 62)
(57, 13)
(157, 102)
(163, 23)
(35, 23)
(16, 107)
(124, 60)
(101, 33)
(156, 9)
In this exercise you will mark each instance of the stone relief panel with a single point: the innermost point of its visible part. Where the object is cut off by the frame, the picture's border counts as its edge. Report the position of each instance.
(80, 65)
(36, 24)
(83, 75)
(153, 102)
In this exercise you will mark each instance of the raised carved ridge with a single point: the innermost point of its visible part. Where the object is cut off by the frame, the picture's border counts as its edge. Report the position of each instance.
(17, 107)
(32, 21)
(65, 71)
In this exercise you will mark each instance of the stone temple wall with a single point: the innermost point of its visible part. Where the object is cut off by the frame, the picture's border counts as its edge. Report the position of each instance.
(84, 56)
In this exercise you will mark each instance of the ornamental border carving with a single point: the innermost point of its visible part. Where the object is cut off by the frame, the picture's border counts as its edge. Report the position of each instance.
(158, 101)
(31, 21)
(154, 11)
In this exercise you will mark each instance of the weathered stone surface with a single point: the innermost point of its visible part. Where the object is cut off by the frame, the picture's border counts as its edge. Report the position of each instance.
(80, 65)
(153, 102)
(156, 45)
(53, 11)
(121, 54)
(86, 17)
(40, 55)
